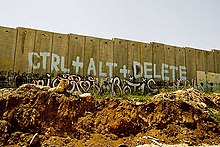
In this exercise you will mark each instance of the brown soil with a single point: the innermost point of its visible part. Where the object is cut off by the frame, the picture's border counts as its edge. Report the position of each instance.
(30, 116)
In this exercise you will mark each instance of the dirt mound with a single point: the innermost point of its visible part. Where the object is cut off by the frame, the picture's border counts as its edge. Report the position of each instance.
(32, 116)
(193, 97)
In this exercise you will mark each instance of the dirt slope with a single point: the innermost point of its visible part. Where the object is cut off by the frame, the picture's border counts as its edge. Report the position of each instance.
(30, 116)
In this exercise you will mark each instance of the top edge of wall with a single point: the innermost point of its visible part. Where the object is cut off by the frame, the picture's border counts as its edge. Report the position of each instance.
(133, 41)
(216, 50)
(120, 39)
(72, 34)
(157, 43)
(84, 35)
(212, 50)
(6, 27)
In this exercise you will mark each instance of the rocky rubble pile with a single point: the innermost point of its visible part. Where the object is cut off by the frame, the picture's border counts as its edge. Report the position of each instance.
(31, 116)
(199, 100)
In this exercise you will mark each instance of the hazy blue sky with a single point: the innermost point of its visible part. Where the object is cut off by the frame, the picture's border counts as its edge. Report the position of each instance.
(192, 23)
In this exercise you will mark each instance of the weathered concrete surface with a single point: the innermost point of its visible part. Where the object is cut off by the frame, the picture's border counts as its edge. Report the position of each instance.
(60, 47)
(106, 57)
(43, 44)
(28, 50)
(170, 59)
(120, 57)
(25, 45)
(190, 63)
(180, 59)
(209, 61)
(147, 59)
(200, 60)
(158, 59)
(91, 56)
(208, 79)
(7, 48)
(76, 53)
(217, 60)
(134, 54)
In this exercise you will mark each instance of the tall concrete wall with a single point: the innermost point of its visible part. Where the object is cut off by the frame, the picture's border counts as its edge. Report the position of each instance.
(105, 59)
(158, 60)
(36, 51)
(24, 49)
(146, 60)
(190, 63)
(120, 58)
(76, 53)
(7, 48)
(170, 60)
(45, 60)
(180, 63)
(60, 47)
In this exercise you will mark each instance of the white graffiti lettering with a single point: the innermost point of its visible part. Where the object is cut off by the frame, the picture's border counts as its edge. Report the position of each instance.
(91, 67)
(30, 59)
(147, 70)
(135, 65)
(111, 65)
(101, 74)
(77, 64)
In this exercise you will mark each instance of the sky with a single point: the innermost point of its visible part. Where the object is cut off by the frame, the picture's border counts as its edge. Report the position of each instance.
(184, 23)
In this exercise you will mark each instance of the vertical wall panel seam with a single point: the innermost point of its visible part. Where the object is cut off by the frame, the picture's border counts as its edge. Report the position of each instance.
(113, 70)
(215, 70)
(99, 57)
(83, 55)
(184, 49)
(152, 48)
(35, 41)
(68, 52)
(51, 51)
(128, 59)
(15, 50)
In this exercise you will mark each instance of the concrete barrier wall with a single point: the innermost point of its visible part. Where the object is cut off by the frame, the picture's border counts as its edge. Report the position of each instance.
(170, 62)
(134, 56)
(60, 54)
(76, 53)
(158, 60)
(217, 60)
(40, 52)
(120, 58)
(43, 59)
(190, 63)
(147, 60)
(180, 63)
(24, 49)
(7, 48)
(105, 59)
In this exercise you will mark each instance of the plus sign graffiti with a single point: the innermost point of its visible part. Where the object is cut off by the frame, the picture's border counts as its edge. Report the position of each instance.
(93, 67)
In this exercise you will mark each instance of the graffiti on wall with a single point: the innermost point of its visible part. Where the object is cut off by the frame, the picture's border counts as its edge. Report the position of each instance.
(208, 79)
(103, 59)
(16, 79)
(110, 85)
(81, 84)
(147, 70)
(143, 80)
